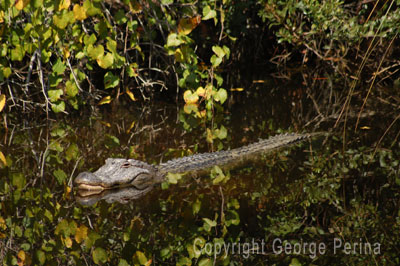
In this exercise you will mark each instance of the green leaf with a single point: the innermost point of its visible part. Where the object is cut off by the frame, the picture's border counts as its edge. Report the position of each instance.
(58, 107)
(123, 262)
(221, 133)
(196, 206)
(54, 95)
(221, 96)
(110, 80)
(208, 224)
(46, 55)
(215, 60)
(120, 17)
(105, 61)
(91, 239)
(60, 176)
(59, 67)
(41, 256)
(71, 88)
(62, 20)
(295, 262)
(205, 262)
(99, 255)
(7, 72)
(65, 228)
(54, 79)
(132, 70)
(208, 13)
(89, 39)
(17, 54)
(95, 52)
(232, 217)
(184, 261)
(173, 40)
(218, 51)
(112, 45)
(18, 180)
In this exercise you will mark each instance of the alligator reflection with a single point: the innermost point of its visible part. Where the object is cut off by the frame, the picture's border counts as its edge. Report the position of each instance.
(121, 195)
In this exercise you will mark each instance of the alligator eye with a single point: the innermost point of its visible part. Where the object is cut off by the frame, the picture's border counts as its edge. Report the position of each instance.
(125, 165)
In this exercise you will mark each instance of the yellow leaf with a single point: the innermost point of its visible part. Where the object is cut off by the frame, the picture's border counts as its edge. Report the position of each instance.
(210, 136)
(130, 127)
(2, 102)
(186, 25)
(105, 100)
(190, 97)
(21, 255)
(190, 107)
(67, 192)
(201, 91)
(3, 223)
(21, 4)
(179, 57)
(79, 12)
(237, 89)
(1, 17)
(68, 242)
(130, 94)
(3, 160)
(81, 233)
(106, 124)
(66, 52)
(105, 61)
(64, 4)
(135, 7)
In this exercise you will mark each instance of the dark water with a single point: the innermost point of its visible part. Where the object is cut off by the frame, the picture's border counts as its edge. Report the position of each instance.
(300, 205)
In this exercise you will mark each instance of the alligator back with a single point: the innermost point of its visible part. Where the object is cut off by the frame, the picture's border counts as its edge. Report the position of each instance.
(204, 161)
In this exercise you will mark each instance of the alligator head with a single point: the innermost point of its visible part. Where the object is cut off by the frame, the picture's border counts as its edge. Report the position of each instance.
(119, 173)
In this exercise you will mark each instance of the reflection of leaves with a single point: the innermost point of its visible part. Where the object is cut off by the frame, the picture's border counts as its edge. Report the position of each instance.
(81, 234)
(18, 180)
(111, 141)
(60, 176)
(141, 257)
(72, 152)
(99, 255)
(66, 228)
(173, 177)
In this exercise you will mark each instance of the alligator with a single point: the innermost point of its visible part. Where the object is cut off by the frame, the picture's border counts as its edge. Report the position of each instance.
(136, 178)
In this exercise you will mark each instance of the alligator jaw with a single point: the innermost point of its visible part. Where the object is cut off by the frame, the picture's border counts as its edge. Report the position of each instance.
(91, 182)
